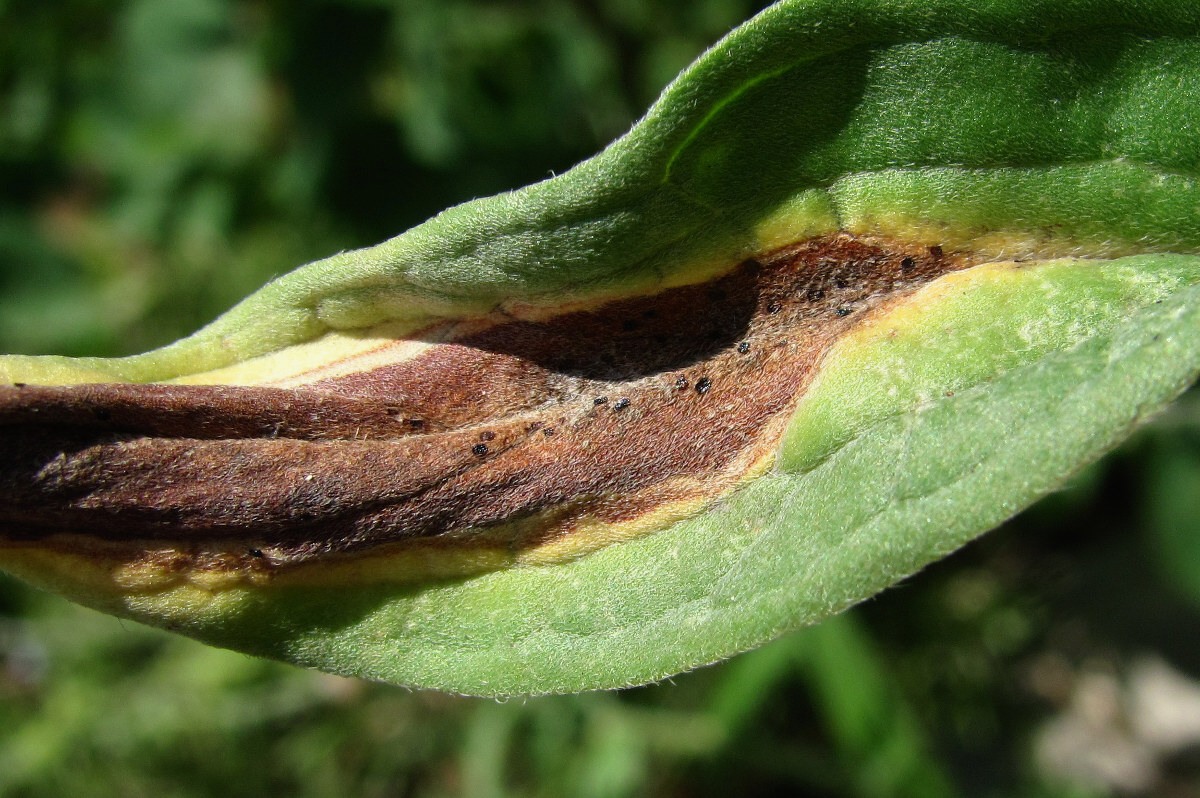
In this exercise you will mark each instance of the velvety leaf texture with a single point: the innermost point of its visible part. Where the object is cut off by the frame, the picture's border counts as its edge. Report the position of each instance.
(869, 278)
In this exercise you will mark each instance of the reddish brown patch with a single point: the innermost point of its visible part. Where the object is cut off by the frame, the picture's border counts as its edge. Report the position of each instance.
(588, 413)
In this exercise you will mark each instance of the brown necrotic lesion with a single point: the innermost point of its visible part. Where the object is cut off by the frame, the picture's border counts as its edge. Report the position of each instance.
(509, 436)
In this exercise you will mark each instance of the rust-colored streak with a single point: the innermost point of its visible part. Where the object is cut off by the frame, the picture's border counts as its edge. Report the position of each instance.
(594, 414)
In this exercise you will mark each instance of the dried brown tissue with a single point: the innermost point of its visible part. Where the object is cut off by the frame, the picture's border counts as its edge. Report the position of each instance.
(555, 436)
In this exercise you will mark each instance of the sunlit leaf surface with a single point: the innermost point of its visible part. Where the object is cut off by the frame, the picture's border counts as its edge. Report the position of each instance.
(867, 280)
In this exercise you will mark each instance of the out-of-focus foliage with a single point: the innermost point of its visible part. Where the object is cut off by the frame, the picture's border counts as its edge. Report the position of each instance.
(163, 159)
(160, 159)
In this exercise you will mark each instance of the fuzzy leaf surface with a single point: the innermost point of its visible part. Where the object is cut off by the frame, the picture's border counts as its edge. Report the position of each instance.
(1033, 160)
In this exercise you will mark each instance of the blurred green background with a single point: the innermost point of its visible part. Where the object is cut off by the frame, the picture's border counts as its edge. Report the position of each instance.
(160, 159)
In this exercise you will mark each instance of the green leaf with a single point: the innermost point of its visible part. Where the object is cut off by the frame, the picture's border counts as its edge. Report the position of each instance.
(987, 225)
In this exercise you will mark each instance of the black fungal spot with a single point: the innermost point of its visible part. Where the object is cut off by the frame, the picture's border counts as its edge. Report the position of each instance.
(841, 282)
(743, 347)
(479, 449)
(19, 384)
(814, 294)
(844, 311)
(703, 385)
(548, 432)
(487, 435)
(774, 307)
(534, 426)
(599, 400)
(620, 404)
(681, 382)
(416, 423)
(257, 553)
(935, 251)
(907, 265)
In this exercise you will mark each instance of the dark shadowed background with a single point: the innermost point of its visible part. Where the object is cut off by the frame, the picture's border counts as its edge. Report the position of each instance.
(160, 159)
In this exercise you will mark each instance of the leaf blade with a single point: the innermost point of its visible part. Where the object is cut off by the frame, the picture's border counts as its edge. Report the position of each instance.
(1031, 130)
(784, 552)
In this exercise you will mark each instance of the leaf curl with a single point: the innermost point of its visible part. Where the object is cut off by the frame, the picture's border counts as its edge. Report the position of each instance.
(867, 280)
